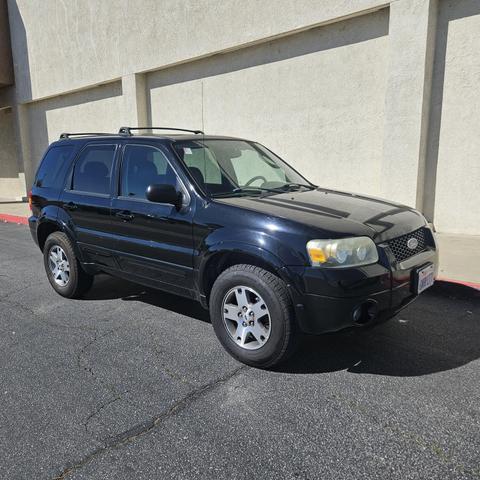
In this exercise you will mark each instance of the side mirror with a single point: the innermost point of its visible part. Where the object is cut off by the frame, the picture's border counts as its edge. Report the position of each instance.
(164, 193)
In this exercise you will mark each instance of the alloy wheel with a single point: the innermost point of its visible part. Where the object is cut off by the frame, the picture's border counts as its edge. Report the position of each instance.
(59, 266)
(246, 317)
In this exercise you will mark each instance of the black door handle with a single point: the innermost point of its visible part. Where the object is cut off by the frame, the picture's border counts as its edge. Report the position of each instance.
(126, 216)
(70, 206)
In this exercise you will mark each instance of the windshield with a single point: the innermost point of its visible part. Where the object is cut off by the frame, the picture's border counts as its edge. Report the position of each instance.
(237, 167)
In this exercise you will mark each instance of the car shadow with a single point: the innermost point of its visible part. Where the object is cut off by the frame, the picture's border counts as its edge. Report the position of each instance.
(438, 332)
(107, 287)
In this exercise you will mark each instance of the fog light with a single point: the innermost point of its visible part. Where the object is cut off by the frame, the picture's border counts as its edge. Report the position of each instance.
(357, 314)
(365, 312)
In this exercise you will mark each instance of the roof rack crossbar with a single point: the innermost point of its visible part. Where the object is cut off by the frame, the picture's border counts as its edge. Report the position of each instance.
(128, 130)
(84, 134)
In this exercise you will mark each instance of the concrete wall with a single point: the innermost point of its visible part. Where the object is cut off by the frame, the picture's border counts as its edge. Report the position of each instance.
(372, 96)
(97, 109)
(6, 67)
(88, 42)
(11, 183)
(326, 110)
(457, 112)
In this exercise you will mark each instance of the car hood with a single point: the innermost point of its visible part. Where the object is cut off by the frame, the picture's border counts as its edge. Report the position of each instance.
(336, 213)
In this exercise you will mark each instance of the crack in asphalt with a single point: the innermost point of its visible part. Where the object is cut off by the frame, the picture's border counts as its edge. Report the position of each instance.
(85, 367)
(170, 373)
(99, 409)
(143, 428)
(86, 346)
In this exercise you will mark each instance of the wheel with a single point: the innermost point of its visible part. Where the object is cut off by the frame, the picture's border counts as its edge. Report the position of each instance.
(252, 315)
(64, 271)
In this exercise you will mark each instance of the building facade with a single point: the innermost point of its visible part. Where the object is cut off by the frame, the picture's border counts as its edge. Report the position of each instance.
(369, 96)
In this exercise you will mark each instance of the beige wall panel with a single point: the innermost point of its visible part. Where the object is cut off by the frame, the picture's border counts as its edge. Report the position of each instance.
(457, 194)
(8, 153)
(11, 180)
(176, 105)
(98, 109)
(90, 41)
(6, 66)
(316, 98)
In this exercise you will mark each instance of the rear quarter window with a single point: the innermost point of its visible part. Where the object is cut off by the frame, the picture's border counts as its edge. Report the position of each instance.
(54, 166)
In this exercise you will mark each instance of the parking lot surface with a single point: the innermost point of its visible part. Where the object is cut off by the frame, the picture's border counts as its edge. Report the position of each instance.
(131, 383)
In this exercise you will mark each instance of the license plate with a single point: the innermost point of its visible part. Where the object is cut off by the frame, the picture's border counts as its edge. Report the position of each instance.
(425, 277)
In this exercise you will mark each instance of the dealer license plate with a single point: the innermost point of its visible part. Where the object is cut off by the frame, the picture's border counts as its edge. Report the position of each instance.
(425, 277)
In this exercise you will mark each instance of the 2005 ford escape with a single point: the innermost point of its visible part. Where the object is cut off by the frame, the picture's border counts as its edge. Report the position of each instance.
(226, 222)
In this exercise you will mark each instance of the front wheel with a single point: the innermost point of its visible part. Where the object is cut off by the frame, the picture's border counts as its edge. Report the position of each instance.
(252, 315)
(64, 271)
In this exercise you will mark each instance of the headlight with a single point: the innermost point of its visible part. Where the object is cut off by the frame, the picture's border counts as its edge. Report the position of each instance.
(344, 252)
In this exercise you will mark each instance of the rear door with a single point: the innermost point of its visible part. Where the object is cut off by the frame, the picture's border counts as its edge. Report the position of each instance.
(154, 240)
(87, 198)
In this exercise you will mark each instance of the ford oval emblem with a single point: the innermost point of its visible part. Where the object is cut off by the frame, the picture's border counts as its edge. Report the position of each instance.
(412, 243)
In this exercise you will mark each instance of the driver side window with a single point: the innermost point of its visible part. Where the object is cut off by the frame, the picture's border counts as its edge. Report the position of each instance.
(142, 166)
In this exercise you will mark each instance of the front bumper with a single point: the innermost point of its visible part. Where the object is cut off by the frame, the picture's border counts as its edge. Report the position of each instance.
(328, 300)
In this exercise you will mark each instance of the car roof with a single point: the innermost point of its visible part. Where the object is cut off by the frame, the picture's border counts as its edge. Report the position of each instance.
(150, 136)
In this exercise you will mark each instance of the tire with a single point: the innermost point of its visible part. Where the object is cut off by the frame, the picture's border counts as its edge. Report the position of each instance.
(77, 282)
(253, 339)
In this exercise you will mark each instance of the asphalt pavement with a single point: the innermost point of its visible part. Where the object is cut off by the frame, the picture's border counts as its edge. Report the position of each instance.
(131, 383)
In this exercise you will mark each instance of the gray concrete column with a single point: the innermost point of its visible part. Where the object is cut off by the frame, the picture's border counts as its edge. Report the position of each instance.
(412, 43)
(134, 100)
(25, 163)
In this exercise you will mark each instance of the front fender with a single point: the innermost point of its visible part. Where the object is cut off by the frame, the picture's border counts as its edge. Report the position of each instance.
(239, 247)
(216, 251)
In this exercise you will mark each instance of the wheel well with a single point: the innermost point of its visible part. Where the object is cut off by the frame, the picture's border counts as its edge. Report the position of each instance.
(221, 261)
(44, 231)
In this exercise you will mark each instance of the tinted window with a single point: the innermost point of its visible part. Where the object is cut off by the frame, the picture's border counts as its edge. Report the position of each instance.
(141, 167)
(93, 169)
(54, 166)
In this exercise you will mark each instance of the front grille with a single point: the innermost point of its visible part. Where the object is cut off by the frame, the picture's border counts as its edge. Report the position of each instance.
(399, 247)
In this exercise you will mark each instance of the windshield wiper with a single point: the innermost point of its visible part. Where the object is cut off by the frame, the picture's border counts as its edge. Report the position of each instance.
(287, 187)
(245, 190)
(292, 185)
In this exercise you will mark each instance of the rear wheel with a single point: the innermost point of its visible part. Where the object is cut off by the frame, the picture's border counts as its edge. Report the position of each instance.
(64, 271)
(252, 315)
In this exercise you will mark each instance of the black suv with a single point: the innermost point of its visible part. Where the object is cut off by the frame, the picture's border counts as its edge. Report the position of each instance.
(227, 222)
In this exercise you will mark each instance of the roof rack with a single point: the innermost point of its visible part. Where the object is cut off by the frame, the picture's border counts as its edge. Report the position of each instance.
(84, 134)
(128, 130)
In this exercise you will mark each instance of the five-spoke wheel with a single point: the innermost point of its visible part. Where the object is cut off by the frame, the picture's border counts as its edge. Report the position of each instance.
(59, 266)
(246, 317)
(252, 315)
(64, 271)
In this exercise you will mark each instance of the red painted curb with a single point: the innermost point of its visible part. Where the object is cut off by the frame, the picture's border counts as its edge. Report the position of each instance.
(13, 219)
(459, 282)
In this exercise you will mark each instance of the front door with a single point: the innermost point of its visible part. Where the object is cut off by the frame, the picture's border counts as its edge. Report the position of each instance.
(153, 240)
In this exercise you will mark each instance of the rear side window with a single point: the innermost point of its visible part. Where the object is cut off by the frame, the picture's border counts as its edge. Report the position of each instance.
(93, 169)
(54, 166)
